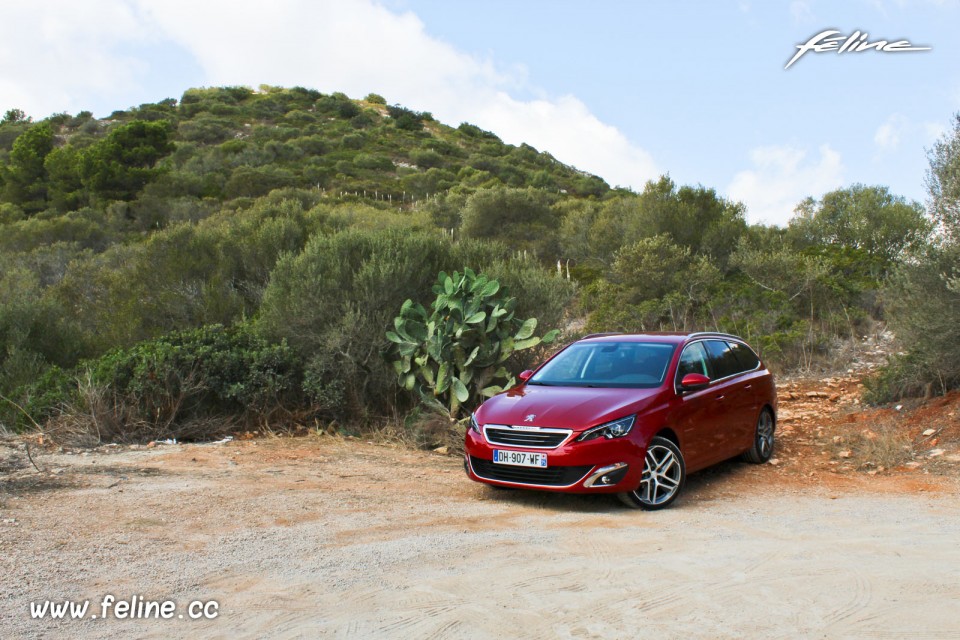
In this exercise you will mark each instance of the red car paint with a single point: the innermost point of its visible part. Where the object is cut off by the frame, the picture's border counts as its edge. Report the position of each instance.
(709, 422)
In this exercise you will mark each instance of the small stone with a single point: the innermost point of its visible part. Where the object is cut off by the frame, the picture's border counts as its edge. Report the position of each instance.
(845, 453)
(442, 450)
(774, 461)
(935, 453)
(929, 432)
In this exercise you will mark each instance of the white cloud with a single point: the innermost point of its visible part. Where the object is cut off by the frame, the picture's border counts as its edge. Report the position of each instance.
(781, 177)
(897, 128)
(53, 52)
(359, 47)
(356, 47)
(887, 137)
(583, 140)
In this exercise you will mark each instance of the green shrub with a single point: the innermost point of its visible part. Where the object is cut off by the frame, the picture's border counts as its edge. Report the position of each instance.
(190, 384)
(334, 301)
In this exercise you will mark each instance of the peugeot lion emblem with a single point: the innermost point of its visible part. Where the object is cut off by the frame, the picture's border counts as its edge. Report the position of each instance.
(530, 417)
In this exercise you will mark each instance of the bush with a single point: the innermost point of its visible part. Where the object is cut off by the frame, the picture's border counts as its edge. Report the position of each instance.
(334, 301)
(923, 304)
(187, 385)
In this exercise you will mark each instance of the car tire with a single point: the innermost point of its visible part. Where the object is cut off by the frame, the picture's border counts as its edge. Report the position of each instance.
(664, 473)
(763, 439)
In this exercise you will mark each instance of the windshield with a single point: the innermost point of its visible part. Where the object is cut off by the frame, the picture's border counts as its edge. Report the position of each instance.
(607, 364)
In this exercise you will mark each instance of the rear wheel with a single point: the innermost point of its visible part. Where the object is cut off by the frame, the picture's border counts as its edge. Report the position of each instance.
(663, 475)
(763, 439)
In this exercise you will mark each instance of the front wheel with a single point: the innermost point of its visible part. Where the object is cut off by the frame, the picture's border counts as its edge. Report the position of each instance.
(663, 475)
(762, 447)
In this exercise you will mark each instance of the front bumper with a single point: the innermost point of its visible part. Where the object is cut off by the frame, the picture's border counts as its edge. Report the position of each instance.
(597, 466)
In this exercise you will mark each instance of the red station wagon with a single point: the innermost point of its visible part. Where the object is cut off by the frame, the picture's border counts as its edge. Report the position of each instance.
(626, 414)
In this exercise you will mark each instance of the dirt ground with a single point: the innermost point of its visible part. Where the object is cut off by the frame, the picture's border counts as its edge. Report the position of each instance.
(323, 536)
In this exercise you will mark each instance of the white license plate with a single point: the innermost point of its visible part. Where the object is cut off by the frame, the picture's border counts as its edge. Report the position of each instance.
(520, 458)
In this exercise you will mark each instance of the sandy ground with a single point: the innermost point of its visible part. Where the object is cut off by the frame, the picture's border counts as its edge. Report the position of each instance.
(324, 537)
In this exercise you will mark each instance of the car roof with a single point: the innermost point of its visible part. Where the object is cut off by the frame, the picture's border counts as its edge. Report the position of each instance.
(668, 337)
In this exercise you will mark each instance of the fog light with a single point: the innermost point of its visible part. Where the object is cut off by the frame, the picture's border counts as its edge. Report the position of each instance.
(607, 476)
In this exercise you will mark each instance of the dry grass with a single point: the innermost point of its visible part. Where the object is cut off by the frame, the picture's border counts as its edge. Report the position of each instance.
(425, 430)
(101, 416)
(878, 446)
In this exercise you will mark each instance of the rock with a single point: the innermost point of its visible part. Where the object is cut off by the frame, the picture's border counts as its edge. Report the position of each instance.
(774, 461)
(834, 397)
(846, 453)
(442, 450)
(817, 394)
(935, 453)
(929, 432)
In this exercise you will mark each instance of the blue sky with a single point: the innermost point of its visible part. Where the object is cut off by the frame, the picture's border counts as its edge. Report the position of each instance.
(627, 90)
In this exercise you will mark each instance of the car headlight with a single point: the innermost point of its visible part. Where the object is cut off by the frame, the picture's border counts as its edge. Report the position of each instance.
(615, 429)
(474, 425)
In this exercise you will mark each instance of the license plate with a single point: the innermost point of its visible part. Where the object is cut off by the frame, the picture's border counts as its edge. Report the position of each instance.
(520, 458)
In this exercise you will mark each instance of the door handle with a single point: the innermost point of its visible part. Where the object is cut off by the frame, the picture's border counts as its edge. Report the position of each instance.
(749, 386)
(721, 397)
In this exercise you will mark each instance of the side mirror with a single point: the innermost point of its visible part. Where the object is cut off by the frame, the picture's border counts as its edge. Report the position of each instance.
(694, 382)
(525, 375)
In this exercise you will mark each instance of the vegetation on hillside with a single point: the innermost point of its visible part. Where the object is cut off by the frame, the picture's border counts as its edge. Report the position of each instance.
(277, 232)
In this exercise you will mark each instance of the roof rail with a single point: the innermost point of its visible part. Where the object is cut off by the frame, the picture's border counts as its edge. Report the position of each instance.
(697, 334)
(600, 335)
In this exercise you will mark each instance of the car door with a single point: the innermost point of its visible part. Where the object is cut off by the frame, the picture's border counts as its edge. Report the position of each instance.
(737, 397)
(699, 416)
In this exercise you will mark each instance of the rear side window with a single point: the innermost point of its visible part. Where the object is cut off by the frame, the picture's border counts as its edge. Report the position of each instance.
(693, 360)
(745, 356)
(722, 358)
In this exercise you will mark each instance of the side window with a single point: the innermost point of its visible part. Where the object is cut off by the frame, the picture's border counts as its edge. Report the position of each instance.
(692, 360)
(723, 359)
(745, 356)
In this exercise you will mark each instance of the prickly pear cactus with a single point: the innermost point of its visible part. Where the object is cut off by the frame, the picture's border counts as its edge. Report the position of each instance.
(453, 355)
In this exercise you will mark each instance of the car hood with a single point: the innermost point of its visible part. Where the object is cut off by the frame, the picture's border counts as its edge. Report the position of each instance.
(574, 408)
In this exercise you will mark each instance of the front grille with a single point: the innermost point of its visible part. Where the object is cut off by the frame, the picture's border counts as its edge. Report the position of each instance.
(539, 439)
(550, 477)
